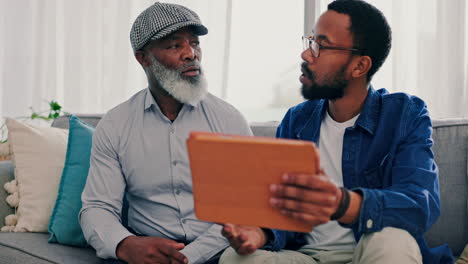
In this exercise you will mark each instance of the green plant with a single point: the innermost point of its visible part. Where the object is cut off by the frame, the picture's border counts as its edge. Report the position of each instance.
(54, 111)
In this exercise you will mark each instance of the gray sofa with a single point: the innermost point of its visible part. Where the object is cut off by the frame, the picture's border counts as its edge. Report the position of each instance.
(451, 153)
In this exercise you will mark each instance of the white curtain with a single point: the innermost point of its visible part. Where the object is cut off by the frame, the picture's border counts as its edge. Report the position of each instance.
(78, 53)
(429, 53)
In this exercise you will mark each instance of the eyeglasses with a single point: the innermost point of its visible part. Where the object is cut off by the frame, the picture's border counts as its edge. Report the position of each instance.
(309, 43)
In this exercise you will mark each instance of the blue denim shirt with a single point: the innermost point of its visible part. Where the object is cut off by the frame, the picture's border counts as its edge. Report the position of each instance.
(387, 157)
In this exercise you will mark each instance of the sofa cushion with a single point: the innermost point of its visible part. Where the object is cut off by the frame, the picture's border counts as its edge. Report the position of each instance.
(38, 157)
(10, 255)
(451, 152)
(33, 248)
(64, 227)
(264, 129)
(62, 121)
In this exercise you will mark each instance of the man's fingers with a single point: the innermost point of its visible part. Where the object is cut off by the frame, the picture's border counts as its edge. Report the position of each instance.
(309, 181)
(251, 249)
(233, 236)
(177, 246)
(242, 237)
(302, 207)
(307, 218)
(160, 258)
(173, 253)
(239, 240)
(246, 249)
(303, 194)
(176, 261)
(228, 231)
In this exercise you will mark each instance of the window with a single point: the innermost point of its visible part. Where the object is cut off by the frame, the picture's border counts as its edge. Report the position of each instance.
(429, 53)
(252, 54)
(78, 52)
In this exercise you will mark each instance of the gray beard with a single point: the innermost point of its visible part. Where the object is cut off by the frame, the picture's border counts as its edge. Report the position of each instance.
(189, 90)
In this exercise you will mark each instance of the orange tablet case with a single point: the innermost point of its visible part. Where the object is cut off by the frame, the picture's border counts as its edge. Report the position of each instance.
(231, 176)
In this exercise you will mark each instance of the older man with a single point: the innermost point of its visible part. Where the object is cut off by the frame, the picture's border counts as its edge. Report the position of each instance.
(139, 150)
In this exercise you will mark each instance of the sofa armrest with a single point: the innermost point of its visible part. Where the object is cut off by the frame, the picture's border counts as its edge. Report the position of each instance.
(6, 175)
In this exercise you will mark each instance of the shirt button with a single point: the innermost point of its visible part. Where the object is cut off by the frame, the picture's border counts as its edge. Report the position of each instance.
(174, 162)
(369, 223)
(177, 191)
(172, 129)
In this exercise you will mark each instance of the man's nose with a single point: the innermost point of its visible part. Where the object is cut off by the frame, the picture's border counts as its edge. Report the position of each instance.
(307, 56)
(188, 53)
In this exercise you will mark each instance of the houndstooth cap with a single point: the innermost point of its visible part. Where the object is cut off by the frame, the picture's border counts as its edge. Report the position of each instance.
(160, 20)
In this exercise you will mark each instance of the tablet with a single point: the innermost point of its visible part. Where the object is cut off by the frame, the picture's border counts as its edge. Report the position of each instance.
(231, 176)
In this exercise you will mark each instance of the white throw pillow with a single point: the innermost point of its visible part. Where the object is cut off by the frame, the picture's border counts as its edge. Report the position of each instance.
(38, 156)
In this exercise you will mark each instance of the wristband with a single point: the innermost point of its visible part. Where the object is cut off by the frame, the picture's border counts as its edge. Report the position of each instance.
(343, 206)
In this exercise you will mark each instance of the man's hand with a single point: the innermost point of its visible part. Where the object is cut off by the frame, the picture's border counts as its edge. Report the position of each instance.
(134, 249)
(306, 197)
(244, 239)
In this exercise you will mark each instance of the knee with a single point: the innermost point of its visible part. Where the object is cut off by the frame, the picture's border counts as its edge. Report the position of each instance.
(227, 256)
(230, 256)
(391, 243)
(395, 240)
(265, 257)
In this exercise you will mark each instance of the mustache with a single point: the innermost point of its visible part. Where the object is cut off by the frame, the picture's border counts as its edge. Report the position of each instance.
(307, 72)
(194, 63)
(190, 64)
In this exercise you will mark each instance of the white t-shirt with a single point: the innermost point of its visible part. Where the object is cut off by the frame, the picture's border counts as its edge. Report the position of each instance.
(332, 236)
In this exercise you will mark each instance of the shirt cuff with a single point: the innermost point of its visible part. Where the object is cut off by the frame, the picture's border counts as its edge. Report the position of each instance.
(370, 216)
(104, 238)
(197, 253)
(270, 239)
(115, 239)
(192, 254)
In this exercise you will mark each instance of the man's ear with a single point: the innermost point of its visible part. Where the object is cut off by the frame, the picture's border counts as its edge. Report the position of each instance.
(142, 58)
(363, 66)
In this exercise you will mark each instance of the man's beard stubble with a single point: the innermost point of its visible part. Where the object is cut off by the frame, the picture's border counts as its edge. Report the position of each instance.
(332, 90)
(189, 90)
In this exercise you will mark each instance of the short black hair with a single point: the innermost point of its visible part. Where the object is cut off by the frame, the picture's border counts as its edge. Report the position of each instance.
(371, 33)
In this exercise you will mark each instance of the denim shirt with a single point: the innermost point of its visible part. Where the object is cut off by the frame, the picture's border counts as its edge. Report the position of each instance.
(387, 158)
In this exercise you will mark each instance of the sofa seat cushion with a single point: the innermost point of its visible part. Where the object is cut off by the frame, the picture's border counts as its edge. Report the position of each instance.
(33, 248)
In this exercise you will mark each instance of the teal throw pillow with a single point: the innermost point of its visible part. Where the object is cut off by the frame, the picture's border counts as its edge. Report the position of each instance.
(64, 227)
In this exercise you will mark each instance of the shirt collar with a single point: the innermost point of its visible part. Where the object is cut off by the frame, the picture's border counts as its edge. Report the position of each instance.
(367, 119)
(370, 112)
(309, 131)
(149, 101)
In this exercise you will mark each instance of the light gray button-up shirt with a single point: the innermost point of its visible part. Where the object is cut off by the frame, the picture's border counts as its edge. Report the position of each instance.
(139, 152)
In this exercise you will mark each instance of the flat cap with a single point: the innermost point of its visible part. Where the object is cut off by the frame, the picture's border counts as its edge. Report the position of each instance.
(160, 20)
